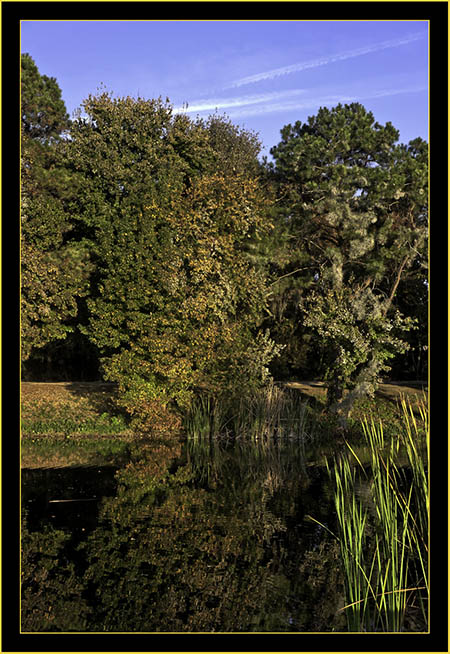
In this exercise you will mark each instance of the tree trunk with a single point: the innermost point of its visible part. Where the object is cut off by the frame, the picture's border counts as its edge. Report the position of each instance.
(365, 386)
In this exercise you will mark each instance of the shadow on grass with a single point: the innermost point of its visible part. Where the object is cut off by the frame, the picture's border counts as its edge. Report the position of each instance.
(101, 396)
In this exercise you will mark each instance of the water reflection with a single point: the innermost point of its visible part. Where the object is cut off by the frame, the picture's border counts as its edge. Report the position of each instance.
(193, 537)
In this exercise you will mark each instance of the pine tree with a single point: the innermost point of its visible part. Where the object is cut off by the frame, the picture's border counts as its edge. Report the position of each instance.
(355, 203)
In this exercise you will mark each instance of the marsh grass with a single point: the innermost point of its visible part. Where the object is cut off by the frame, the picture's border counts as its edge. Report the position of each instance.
(385, 550)
(207, 418)
(259, 415)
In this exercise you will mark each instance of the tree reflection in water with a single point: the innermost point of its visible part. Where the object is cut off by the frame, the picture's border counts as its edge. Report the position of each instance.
(199, 537)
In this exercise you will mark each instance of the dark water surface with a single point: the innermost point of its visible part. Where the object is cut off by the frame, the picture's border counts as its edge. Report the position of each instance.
(198, 537)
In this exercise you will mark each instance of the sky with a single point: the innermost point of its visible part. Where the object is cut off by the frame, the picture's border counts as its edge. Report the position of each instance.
(261, 74)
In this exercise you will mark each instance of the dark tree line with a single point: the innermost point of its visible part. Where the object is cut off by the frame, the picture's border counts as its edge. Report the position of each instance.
(159, 252)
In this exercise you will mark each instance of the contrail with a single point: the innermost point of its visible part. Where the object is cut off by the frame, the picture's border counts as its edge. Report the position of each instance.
(222, 103)
(313, 102)
(324, 61)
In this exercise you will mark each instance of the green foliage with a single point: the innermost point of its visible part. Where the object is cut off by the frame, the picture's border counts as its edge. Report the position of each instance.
(43, 110)
(186, 265)
(358, 337)
(54, 266)
(175, 302)
(355, 205)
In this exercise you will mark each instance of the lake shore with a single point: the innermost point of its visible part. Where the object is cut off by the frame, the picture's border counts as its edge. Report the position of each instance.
(67, 424)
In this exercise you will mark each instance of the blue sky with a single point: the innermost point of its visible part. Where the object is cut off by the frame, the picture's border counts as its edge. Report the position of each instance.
(261, 74)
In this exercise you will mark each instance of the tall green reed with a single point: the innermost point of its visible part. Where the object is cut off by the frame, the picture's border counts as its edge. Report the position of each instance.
(207, 417)
(352, 518)
(257, 415)
(385, 550)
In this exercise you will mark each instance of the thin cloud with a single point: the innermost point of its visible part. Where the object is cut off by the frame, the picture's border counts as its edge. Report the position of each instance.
(324, 61)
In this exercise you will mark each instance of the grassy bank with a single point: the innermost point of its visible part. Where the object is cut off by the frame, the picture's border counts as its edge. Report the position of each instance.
(66, 424)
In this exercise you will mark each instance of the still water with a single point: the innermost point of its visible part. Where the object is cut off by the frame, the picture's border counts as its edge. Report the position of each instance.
(191, 537)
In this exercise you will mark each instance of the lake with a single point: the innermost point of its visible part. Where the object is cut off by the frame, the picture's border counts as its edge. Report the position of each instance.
(203, 536)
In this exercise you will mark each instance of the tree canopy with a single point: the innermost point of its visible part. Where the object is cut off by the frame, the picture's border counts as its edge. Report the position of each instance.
(168, 205)
(191, 266)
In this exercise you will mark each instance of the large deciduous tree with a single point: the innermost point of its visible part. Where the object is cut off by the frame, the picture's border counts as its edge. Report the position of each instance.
(169, 205)
(355, 205)
(54, 266)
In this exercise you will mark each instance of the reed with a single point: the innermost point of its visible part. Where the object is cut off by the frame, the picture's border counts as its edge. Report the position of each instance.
(257, 415)
(385, 550)
(352, 518)
(207, 418)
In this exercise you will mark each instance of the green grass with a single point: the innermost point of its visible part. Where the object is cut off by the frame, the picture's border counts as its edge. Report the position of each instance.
(47, 422)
